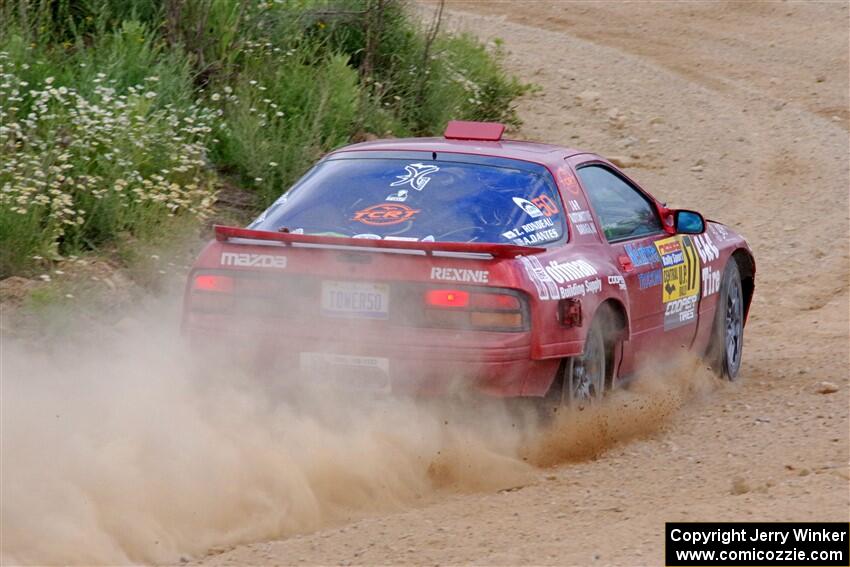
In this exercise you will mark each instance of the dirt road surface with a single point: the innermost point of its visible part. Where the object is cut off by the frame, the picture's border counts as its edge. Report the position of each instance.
(740, 110)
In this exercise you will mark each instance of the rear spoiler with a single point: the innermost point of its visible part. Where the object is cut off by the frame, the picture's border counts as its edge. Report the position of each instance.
(225, 233)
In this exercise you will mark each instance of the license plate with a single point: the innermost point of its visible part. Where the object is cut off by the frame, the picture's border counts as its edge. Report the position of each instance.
(347, 371)
(355, 300)
(324, 361)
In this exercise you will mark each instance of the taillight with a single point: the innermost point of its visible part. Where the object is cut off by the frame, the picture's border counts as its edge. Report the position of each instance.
(455, 308)
(446, 298)
(495, 320)
(494, 301)
(212, 292)
(212, 282)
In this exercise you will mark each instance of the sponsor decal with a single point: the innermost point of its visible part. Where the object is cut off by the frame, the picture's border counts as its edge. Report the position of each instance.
(586, 228)
(649, 279)
(680, 284)
(581, 216)
(385, 214)
(546, 286)
(460, 275)
(642, 255)
(399, 196)
(720, 231)
(593, 286)
(546, 205)
(668, 245)
(581, 289)
(674, 258)
(680, 312)
(710, 281)
(582, 219)
(246, 260)
(367, 236)
(708, 251)
(671, 253)
(566, 178)
(563, 272)
(561, 280)
(618, 281)
(416, 176)
(529, 207)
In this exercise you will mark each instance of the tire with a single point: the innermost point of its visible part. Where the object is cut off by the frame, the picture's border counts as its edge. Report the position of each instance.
(727, 340)
(599, 352)
(586, 377)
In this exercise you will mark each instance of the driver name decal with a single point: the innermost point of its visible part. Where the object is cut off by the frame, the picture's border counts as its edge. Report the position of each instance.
(385, 214)
(680, 280)
(533, 232)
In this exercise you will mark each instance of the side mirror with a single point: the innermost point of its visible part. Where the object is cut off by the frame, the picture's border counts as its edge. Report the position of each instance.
(688, 222)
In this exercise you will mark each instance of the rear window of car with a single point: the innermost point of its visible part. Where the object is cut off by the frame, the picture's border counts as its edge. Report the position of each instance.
(413, 199)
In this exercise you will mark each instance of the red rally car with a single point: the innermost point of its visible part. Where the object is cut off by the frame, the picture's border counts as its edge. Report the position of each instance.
(513, 268)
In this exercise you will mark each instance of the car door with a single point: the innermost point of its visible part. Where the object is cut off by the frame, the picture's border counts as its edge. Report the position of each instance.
(663, 310)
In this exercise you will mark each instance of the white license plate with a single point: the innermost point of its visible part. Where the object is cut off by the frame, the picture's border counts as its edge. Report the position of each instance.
(355, 300)
(346, 371)
(326, 361)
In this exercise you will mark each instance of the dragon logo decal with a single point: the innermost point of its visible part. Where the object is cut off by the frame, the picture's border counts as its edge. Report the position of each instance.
(416, 176)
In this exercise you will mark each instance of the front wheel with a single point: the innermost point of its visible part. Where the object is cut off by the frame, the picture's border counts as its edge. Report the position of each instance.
(727, 341)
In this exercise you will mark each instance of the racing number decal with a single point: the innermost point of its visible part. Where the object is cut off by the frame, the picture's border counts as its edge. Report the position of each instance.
(546, 205)
(680, 280)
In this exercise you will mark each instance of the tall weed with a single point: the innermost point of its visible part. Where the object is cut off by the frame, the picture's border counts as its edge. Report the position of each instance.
(118, 114)
(77, 170)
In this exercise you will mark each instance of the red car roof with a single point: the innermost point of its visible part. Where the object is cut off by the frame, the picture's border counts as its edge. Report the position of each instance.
(480, 138)
(527, 151)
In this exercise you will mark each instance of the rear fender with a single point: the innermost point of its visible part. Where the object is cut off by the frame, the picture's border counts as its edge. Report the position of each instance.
(555, 280)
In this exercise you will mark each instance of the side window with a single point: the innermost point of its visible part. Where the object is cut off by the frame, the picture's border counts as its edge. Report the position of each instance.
(623, 210)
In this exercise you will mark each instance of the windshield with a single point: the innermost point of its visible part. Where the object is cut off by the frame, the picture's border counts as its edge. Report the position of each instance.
(428, 200)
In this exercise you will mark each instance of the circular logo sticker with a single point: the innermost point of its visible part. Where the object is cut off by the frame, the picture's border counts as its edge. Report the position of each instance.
(385, 213)
(567, 180)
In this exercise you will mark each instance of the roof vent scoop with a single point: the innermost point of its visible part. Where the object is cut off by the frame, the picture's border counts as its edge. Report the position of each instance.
(465, 130)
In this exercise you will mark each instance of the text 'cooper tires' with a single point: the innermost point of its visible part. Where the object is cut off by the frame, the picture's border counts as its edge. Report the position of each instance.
(727, 342)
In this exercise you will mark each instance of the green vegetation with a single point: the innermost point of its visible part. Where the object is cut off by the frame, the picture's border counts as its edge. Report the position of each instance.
(117, 116)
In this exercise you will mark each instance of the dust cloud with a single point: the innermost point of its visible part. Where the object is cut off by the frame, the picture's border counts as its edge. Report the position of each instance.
(126, 446)
(656, 394)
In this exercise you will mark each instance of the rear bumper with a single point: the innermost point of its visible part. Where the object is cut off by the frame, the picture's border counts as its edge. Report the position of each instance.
(418, 361)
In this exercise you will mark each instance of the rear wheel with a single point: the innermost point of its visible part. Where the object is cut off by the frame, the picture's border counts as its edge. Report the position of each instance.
(585, 375)
(582, 380)
(727, 341)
